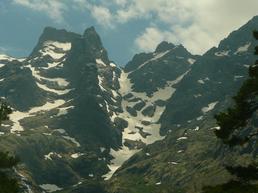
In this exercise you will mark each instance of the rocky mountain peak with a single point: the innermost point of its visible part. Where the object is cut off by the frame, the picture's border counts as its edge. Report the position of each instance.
(60, 35)
(94, 44)
(164, 46)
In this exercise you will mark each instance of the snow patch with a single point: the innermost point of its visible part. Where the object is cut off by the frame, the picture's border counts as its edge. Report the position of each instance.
(76, 155)
(222, 53)
(72, 140)
(201, 81)
(49, 156)
(191, 61)
(58, 92)
(210, 107)
(5, 57)
(99, 61)
(131, 132)
(112, 65)
(181, 138)
(50, 187)
(173, 163)
(55, 50)
(61, 82)
(101, 82)
(243, 48)
(17, 116)
(64, 111)
(156, 57)
(197, 128)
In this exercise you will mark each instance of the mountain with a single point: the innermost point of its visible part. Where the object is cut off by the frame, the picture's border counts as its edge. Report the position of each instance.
(190, 157)
(62, 96)
(83, 124)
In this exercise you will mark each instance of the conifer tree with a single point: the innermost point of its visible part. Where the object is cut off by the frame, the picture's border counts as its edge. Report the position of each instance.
(236, 118)
(235, 130)
(8, 184)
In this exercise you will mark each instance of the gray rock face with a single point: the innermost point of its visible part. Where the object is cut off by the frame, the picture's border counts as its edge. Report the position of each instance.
(215, 77)
(151, 71)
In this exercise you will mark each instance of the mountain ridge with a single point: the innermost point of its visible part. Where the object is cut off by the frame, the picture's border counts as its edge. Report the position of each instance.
(86, 119)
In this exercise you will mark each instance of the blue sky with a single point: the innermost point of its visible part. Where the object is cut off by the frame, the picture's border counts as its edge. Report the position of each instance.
(125, 26)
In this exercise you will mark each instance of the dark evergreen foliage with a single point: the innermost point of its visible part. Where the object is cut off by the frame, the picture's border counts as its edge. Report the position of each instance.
(232, 187)
(231, 123)
(8, 184)
(236, 118)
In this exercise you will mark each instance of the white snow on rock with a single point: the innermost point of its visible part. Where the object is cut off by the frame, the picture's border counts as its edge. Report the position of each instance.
(112, 65)
(76, 155)
(156, 56)
(2, 65)
(191, 61)
(58, 92)
(5, 57)
(215, 128)
(120, 157)
(238, 77)
(101, 82)
(210, 107)
(99, 61)
(131, 132)
(201, 81)
(62, 131)
(64, 110)
(222, 53)
(243, 48)
(17, 116)
(52, 65)
(61, 82)
(91, 175)
(50, 187)
(73, 140)
(102, 149)
(197, 95)
(197, 128)
(173, 163)
(199, 118)
(50, 154)
(56, 50)
(24, 181)
(181, 138)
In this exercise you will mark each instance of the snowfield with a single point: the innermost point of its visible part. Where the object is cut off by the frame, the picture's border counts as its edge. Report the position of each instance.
(132, 132)
(17, 116)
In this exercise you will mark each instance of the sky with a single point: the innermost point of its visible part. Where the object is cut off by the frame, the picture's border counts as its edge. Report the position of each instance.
(126, 27)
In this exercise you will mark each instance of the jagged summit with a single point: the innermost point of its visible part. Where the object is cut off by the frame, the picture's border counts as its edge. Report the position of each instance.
(61, 35)
(54, 39)
(164, 46)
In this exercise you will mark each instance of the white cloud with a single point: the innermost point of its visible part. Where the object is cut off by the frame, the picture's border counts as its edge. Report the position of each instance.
(102, 15)
(151, 37)
(198, 24)
(53, 8)
(120, 2)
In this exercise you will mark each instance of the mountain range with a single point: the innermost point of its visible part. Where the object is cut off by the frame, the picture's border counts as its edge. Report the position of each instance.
(82, 123)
